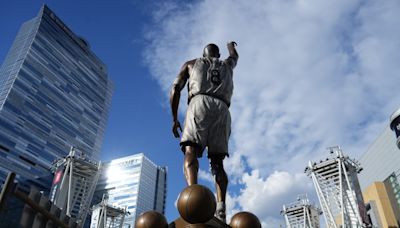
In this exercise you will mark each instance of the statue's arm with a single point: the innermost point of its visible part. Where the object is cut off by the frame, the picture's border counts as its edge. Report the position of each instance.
(233, 55)
(175, 95)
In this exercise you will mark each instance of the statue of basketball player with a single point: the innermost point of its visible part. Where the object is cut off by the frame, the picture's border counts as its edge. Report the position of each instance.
(208, 121)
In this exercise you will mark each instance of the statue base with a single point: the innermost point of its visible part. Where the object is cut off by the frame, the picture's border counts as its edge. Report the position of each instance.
(196, 203)
(213, 223)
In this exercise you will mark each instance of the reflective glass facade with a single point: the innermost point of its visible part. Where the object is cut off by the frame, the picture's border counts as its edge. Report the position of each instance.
(54, 94)
(393, 180)
(392, 184)
(134, 183)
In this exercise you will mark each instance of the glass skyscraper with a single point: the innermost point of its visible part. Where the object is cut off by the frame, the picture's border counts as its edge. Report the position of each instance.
(135, 183)
(54, 93)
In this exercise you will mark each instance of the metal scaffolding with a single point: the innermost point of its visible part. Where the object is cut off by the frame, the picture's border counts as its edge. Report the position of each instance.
(107, 216)
(338, 190)
(75, 179)
(301, 214)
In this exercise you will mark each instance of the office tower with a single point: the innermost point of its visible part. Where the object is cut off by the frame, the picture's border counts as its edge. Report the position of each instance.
(378, 206)
(134, 183)
(338, 190)
(54, 94)
(381, 163)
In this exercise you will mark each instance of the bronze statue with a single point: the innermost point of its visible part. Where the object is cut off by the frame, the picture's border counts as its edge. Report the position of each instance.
(245, 219)
(151, 219)
(196, 204)
(208, 121)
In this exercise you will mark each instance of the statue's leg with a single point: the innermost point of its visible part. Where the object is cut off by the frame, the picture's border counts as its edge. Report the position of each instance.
(191, 164)
(221, 184)
(221, 179)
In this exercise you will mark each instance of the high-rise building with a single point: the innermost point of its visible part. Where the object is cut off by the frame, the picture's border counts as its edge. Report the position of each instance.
(54, 93)
(378, 206)
(381, 159)
(134, 183)
(381, 163)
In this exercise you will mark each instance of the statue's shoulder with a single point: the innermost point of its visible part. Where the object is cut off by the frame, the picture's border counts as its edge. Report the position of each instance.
(191, 62)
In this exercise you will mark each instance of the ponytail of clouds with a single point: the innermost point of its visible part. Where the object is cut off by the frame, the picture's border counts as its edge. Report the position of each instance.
(311, 74)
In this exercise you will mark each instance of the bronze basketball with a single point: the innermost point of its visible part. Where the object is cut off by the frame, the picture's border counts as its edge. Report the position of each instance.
(196, 204)
(151, 219)
(245, 220)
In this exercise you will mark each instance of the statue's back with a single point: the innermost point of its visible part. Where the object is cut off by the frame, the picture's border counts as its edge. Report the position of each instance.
(211, 76)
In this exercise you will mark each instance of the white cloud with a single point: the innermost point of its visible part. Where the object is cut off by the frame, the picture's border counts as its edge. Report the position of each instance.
(206, 176)
(269, 190)
(311, 74)
(265, 196)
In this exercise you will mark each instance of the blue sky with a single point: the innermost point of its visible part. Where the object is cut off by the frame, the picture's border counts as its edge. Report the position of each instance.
(311, 74)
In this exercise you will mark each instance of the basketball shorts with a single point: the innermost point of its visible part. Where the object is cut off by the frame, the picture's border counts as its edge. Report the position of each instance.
(207, 124)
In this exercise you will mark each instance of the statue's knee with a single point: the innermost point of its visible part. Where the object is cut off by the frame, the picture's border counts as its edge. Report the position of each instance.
(214, 171)
(217, 170)
(221, 179)
(191, 161)
(191, 152)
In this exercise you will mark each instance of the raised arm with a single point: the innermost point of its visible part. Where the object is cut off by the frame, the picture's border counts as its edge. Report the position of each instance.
(175, 95)
(233, 55)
